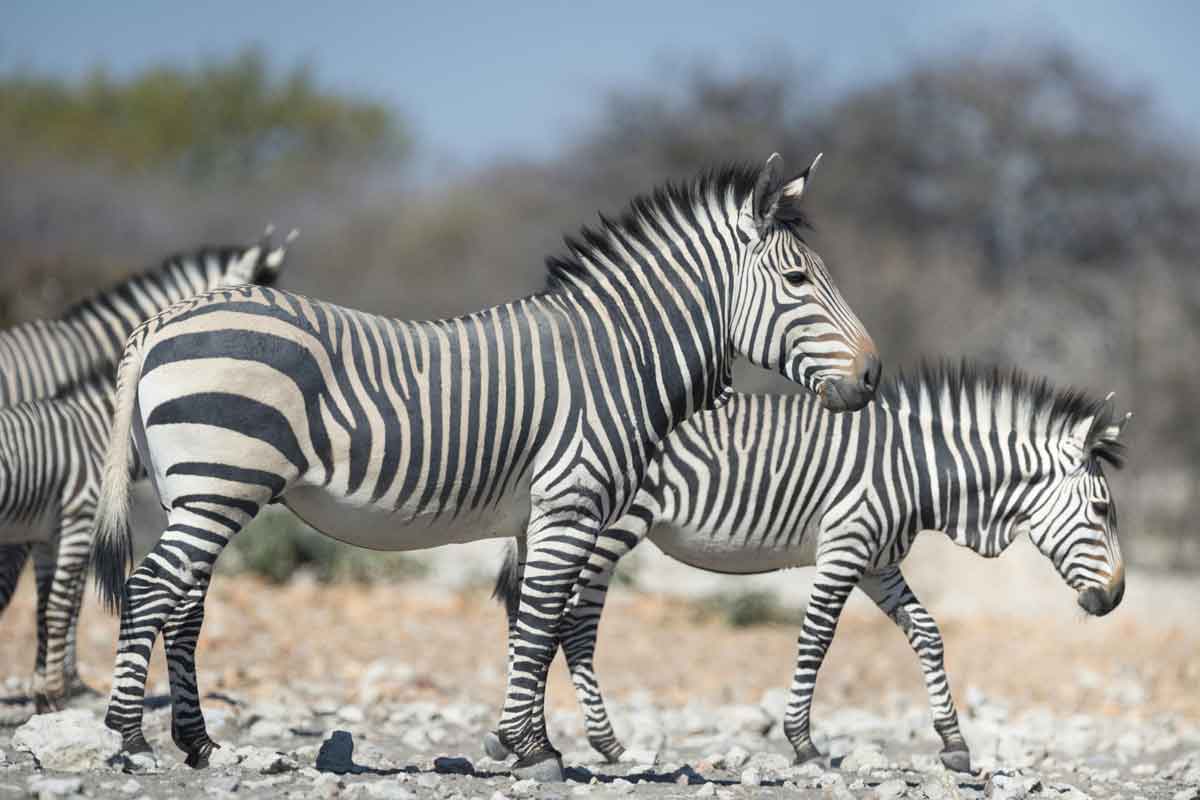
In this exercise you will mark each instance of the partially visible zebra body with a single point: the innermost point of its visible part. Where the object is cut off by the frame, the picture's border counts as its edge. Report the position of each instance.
(533, 418)
(772, 482)
(41, 358)
(51, 456)
(49, 472)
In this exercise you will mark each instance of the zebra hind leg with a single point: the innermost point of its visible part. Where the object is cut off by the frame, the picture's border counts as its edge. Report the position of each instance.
(579, 646)
(180, 634)
(892, 594)
(837, 573)
(181, 562)
(558, 548)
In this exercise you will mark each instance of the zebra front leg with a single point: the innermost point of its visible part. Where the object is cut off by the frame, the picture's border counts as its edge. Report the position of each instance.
(44, 554)
(838, 570)
(580, 629)
(558, 549)
(58, 618)
(181, 562)
(180, 634)
(892, 594)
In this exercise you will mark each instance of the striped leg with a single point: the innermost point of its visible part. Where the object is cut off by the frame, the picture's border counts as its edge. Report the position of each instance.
(179, 564)
(43, 575)
(838, 570)
(581, 627)
(892, 594)
(558, 547)
(62, 604)
(180, 634)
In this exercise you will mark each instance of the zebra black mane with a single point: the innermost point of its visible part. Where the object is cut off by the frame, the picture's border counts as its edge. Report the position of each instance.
(102, 300)
(673, 200)
(1036, 394)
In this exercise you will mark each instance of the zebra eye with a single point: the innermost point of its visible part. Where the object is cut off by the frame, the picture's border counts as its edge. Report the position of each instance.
(796, 277)
(1100, 507)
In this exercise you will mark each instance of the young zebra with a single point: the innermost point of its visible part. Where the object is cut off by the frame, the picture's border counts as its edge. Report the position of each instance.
(534, 418)
(49, 458)
(770, 482)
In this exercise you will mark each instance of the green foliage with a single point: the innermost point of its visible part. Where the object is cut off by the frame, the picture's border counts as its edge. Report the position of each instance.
(746, 609)
(224, 120)
(277, 544)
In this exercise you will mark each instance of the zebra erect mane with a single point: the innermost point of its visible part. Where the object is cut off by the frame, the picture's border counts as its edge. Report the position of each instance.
(1032, 394)
(672, 201)
(102, 300)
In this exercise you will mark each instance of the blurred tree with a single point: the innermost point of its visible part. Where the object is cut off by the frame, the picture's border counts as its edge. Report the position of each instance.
(232, 120)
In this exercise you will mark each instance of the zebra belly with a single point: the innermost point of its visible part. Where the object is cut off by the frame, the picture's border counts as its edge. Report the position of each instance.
(379, 528)
(735, 555)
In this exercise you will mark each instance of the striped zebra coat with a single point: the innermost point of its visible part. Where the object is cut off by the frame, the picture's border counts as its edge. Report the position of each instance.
(55, 377)
(773, 482)
(51, 455)
(535, 418)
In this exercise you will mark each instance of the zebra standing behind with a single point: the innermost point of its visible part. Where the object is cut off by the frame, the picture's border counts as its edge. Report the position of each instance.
(53, 430)
(39, 359)
(534, 418)
(770, 482)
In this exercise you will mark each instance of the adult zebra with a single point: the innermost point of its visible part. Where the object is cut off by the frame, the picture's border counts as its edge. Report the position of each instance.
(537, 416)
(54, 377)
(770, 482)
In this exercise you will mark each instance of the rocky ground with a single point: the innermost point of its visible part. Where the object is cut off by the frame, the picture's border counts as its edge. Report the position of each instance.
(386, 691)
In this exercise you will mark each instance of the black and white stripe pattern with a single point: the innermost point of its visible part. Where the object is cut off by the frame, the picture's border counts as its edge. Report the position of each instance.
(535, 418)
(53, 376)
(772, 482)
(51, 455)
(41, 358)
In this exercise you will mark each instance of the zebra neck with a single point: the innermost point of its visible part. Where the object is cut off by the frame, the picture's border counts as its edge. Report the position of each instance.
(667, 303)
(970, 485)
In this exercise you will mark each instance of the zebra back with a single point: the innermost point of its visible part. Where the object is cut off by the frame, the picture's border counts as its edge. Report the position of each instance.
(41, 358)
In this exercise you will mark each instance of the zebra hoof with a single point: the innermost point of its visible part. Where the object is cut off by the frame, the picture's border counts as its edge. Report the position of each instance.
(807, 752)
(956, 760)
(44, 703)
(544, 767)
(612, 754)
(494, 748)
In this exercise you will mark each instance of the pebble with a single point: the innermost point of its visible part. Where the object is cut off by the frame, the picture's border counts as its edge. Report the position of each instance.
(864, 759)
(524, 788)
(735, 758)
(46, 788)
(891, 789)
(707, 790)
(69, 741)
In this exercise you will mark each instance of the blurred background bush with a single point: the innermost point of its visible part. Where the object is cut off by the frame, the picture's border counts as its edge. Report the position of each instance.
(1022, 204)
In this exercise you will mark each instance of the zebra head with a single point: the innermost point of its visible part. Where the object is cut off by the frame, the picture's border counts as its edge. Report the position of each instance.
(260, 264)
(1075, 524)
(787, 313)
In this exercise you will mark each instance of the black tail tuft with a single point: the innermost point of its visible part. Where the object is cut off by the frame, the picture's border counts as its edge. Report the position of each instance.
(508, 581)
(112, 558)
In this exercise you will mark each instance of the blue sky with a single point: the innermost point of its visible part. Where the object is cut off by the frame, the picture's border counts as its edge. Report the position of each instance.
(478, 80)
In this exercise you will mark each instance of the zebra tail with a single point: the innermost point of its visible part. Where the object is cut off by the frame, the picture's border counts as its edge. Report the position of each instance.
(508, 580)
(112, 545)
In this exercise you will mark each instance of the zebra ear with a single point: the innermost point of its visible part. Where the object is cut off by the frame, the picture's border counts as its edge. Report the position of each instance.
(794, 188)
(767, 191)
(1076, 444)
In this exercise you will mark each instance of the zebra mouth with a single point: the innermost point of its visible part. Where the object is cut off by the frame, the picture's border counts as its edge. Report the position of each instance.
(842, 394)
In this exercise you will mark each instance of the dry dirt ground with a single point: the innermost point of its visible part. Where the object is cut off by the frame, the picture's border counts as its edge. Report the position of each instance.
(1103, 707)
